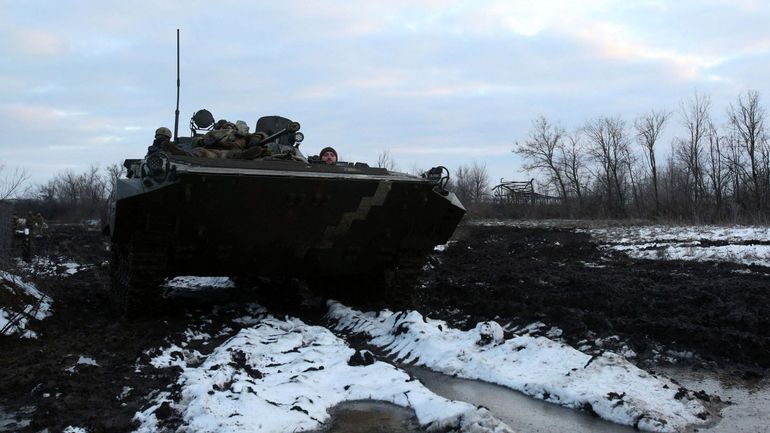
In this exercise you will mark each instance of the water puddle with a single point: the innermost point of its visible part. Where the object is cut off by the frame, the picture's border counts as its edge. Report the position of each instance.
(521, 413)
(367, 416)
(749, 411)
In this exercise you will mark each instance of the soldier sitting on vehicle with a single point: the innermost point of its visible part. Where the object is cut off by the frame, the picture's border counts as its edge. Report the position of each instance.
(163, 142)
(225, 141)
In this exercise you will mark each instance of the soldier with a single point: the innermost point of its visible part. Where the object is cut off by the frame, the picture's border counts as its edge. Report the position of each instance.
(163, 142)
(227, 141)
(328, 155)
(30, 222)
(40, 222)
(17, 226)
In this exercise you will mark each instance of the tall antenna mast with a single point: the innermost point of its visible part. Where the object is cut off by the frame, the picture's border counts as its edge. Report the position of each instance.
(176, 113)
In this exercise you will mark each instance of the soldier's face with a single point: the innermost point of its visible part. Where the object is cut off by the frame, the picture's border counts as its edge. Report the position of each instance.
(329, 158)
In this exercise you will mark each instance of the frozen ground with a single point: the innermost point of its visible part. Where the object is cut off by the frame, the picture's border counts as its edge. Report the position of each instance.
(217, 363)
(743, 245)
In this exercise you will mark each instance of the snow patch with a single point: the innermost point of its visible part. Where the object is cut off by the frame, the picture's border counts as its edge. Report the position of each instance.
(20, 302)
(284, 375)
(612, 387)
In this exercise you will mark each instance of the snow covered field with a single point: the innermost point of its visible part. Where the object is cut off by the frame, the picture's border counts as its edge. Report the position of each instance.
(748, 245)
(743, 245)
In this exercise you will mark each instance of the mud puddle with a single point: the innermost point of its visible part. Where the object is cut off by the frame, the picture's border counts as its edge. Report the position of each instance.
(521, 413)
(371, 417)
(748, 410)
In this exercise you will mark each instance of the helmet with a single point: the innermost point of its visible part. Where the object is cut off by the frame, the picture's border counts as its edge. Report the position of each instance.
(163, 131)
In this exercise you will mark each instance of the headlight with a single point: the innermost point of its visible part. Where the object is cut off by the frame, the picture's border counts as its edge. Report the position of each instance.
(435, 173)
(155, 168)
(156, 164)
(298, 137)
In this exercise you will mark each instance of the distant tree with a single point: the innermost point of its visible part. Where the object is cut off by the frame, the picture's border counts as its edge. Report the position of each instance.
(114, 172)
(716, 167)
(12, 184)
(416, 169)
(747, 116)
(471, 183)
(385, 160)
(608, 146)
(71, 196)
(696, 117)
(574, 165)
(543, 150)
(648, 128)
(633, 173)
(736, 172)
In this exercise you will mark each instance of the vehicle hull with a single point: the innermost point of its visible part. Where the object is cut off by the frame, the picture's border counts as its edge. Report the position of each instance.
(285, 218)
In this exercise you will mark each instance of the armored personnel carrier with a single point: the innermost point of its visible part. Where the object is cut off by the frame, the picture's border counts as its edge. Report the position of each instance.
(277, 214)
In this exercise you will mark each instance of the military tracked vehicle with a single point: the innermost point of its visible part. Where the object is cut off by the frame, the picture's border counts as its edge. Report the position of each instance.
(279, 214)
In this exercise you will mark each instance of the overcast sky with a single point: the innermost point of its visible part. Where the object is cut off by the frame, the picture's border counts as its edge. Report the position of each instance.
(434, 82)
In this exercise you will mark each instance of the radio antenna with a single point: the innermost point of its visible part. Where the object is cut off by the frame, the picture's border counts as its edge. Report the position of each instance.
(176, 113)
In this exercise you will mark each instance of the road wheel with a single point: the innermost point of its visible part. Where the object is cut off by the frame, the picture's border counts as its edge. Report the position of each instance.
(137, 271)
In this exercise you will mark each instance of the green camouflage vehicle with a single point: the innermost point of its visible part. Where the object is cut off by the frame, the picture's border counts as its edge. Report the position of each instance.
(277, 215)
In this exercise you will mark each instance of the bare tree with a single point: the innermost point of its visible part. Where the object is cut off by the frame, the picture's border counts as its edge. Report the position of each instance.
(471, 183)
(748, 119)
(114, 172)
(608, 143)
(543, 150)
(385, 160)
(574, 165)
(648, 128)
(629, 159)
(11, 184)
(696, 118)
(416, 169)
(716, 167)
(75, 196)
(734, 165)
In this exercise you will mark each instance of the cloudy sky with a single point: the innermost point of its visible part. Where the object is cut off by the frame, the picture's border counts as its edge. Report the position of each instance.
(432, 81)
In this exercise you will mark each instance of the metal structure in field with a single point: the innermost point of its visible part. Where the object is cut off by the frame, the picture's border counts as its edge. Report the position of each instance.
(521, 193)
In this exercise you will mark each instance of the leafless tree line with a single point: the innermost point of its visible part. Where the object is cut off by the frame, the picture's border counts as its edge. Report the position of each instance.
(608, 167)
(70, 196)
(471, 183)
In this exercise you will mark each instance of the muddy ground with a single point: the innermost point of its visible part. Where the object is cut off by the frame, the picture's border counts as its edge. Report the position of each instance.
(701, 314)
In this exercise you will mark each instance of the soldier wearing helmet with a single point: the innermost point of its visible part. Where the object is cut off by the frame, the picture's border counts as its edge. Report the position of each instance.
(163, 132)
(163, 142)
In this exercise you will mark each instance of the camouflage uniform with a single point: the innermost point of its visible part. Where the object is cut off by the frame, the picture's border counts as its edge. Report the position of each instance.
(229, 142)
(225, 141)
(40, 222)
